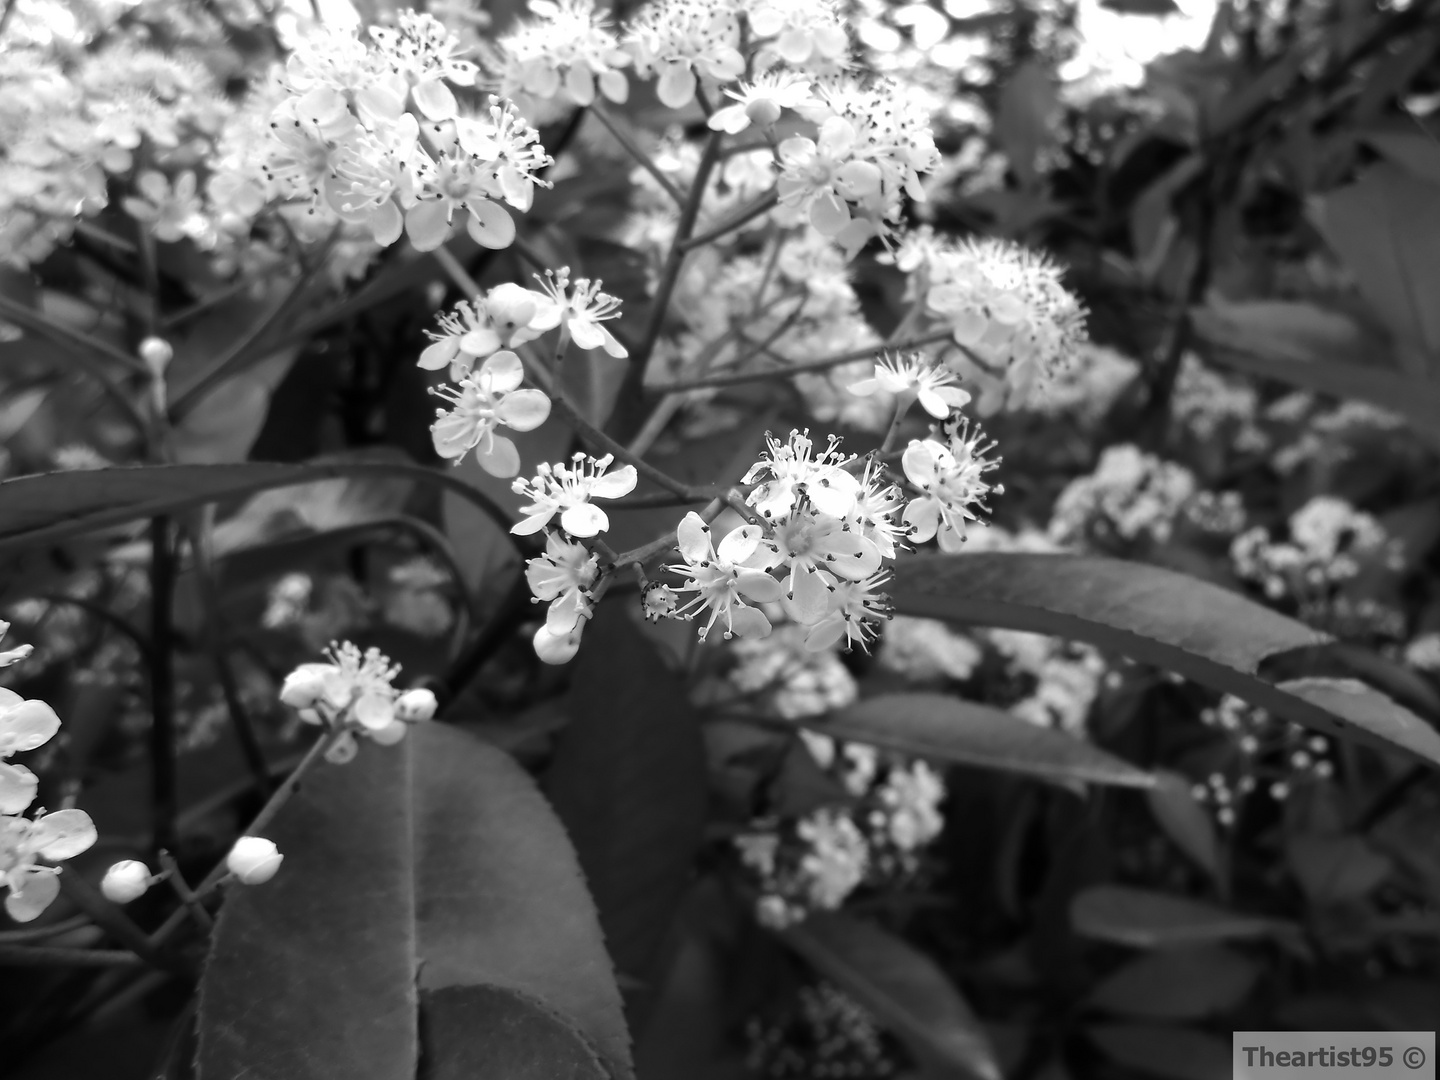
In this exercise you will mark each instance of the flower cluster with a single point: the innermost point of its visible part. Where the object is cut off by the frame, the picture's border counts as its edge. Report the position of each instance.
(1131, 496)
(354, 695)
(1004, 304)
(815, 862)
(827, 1034)
(680, 42)
(26, 725)
(1330, 542)
(1263, 755)
(850, 181)
(949, 470)
(559, 57)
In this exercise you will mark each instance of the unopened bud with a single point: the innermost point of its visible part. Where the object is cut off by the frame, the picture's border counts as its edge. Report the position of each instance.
(658, 602)
(762, 113)
(414, 705)
(556, 648)
(126, 881)
(254, 860)
(157, 354)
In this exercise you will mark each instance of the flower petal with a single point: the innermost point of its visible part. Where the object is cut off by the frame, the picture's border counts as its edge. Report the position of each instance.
(502, 372)
(26, 726)
(63, 834)
(38, 889)
(692, 537)
(490, 226)
(614, 484)
(584, 519)
(500, 458)
(427, 224)
(523, 410)
(18, 786)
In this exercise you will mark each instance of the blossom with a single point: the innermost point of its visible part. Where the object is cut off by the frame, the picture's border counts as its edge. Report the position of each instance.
(721, 580)
(795, 470)
(681, 40)
(803, 30)
(254, 860)
(912, 377)
(582, 312)
(850, 611)
(567, 490)
(507, 316)
(354, 694)
(172, 213)
(952, 484)
(824, 175)
(24, 725)
(53, 837)
(1131, 495)
(760, 101)
(15, 655)
(837, 859)
(423, 52)
(567, 50)
(563, 576)
(488, 398)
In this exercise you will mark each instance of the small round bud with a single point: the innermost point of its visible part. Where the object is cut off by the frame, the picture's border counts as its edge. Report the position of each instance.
(763, 113)
(125, 881)
(388, 735)
(254, 860)
(157, 353)
(556, 648)
(659, 601)
(414, 705)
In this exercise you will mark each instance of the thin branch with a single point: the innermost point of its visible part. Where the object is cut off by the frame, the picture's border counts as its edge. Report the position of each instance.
(633, 149)
(598, 440)
(40, 933)
(791, 368)
(163, 789)
(758, 207)
(56, 956)
(65, 335)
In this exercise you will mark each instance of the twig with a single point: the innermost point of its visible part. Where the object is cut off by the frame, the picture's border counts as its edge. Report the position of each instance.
(598, 440)
(759, 206)
(457, 273)
(114, 921)
(163, 793)
(184, 892)
(633, 149)
(56, 956)
(40, 933)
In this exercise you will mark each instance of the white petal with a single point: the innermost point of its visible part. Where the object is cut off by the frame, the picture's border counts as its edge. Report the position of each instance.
(490, 226)
(692, 537)
(18, 786)
(614, 484)
(523, 410)
(37, 891)
(500, 458)
(586, 519)
(502, 372)
(739, 544)
(63, 834)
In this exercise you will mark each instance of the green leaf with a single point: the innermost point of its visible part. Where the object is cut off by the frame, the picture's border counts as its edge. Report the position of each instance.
(56, 506)
(1335, 869)
(628, 781)
(1026, 118)
(1386, 227)
(1178, 984)
(485, 1033)
(904, 988)
(945, 728)
(1145, 919)
(431, 864)
(1173, 1053)
(1315, 349)
(1206, 633)
(1184, 820)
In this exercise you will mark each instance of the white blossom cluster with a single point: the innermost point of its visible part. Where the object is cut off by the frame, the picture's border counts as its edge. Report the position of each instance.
(778, 676)
(1329, 543)
(1131, 496)
(1066, 675)
(31, 886)
(828, 1034)
(354, 695)
(1004, 305)
(1265, 755)
(815, 862)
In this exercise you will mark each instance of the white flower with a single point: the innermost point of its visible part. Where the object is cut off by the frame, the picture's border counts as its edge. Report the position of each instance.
(415, 706)
(424, 53)
(563, 576)
(721, 581)
(911, 798)
(125, 881)
(760, 101)
(488, 398)
(508, 316)
(355, 693)
(567, 50)
(951, 479)
(15, 655)
(24, 725)
(793, 472)
(803, 30)
(912, 377)
(851, 610)
(681, 40)
(567, 491)
(837, 859)
(824, 176)
(582, 312)
(253, 860)
(53, 837)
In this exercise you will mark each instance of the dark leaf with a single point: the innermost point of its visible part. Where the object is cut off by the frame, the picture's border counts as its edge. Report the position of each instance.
(1146, 919)
(434, 862)
(485, 1033)
(1178, 984)
(1173, 1053)
(1206, 633)
(1335, 869)
(902, 987)
(945, 728)
(628, 781)
(1184, 820)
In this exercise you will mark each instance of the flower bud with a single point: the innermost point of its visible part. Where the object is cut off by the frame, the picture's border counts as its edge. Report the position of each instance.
(157, 354)
(254, 860)
(658, 601)
(556, 648)
(413, 705)
(125, 881)
(388, 735)
(763, 113)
